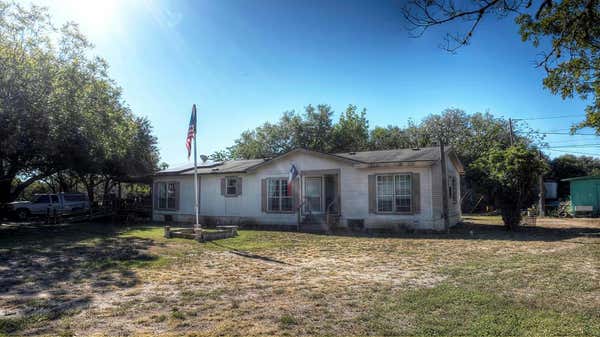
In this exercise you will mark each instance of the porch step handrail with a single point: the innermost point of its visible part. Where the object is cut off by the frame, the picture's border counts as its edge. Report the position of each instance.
(299, 211)
(333, 202)
(328, 213)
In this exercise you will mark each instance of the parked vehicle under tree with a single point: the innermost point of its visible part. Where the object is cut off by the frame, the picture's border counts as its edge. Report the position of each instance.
(44, 204)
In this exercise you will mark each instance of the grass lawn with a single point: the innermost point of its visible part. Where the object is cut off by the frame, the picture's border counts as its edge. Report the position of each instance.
(96, 279)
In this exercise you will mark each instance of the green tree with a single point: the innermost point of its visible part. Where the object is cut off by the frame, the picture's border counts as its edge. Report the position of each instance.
(351, 132)
(313, 130)
(27, 70)
(221, 155)
(567, 30)
(316, 129)
(390, 137)
(60, 113)
(510, 175)
(471, 136)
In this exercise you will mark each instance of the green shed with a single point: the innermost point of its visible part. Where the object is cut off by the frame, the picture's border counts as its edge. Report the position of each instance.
(585, 195)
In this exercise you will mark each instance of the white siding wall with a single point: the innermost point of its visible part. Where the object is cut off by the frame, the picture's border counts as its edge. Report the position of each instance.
(247, 206)
(355, 203)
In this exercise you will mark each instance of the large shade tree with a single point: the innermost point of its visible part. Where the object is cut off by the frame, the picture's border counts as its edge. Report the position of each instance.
(60, 113)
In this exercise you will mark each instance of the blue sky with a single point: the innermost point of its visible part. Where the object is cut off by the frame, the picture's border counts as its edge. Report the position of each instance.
(245, 62)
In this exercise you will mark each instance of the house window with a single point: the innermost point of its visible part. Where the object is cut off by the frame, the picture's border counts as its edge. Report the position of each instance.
(394, 193)
(452, 192)
(166, 195)
(231, 185)
(279, 199)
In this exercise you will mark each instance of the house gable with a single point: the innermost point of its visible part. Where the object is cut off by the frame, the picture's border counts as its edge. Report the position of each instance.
(305, 152)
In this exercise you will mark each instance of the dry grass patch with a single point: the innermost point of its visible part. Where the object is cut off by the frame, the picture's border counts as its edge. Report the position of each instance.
(477, 280)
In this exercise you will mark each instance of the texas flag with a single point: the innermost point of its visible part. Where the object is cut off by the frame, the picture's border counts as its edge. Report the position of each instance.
(291, 176)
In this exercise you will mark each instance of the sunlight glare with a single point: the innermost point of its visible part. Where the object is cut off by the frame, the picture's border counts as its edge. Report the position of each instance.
(94, 16)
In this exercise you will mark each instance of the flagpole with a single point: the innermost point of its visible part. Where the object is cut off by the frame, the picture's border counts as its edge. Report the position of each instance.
(197, 225)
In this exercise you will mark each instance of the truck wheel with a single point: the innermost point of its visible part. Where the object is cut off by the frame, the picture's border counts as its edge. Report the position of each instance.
(22, 214)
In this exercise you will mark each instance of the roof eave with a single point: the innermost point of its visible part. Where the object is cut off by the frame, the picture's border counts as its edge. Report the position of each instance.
(217, 172)
(408, 163)
(171, 173)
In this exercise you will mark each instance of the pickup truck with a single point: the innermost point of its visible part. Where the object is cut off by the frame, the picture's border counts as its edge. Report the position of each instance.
(42, 204)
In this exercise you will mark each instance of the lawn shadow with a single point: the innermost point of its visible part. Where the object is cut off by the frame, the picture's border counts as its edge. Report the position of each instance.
(47, 272)
(471, 230)
(541, 232)
(248, 254)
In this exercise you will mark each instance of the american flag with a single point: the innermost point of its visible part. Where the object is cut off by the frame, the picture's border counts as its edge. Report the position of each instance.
(191, 132)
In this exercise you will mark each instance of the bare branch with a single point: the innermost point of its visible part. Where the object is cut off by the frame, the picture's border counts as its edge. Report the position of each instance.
(423, 14)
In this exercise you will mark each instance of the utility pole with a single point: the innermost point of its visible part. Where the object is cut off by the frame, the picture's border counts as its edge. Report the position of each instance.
(512, 135)
(541, 195)
(444, 186)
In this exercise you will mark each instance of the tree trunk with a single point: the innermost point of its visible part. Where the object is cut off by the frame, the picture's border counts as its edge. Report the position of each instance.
(90, 192)
(63, 184)
(107, 186)
(511, 216)
(88, 182)
(511, 213)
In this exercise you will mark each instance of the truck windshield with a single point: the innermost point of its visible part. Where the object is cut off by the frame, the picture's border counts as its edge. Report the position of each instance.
(42, 199)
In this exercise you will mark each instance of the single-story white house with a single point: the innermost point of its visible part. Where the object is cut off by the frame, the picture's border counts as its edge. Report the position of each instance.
(373, 189)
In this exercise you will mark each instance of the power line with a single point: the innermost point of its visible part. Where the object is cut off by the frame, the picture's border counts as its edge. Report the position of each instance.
(551, 117)
(568, 141)
(563, 146)
(567, 134)
(584, 153)
(566, 129)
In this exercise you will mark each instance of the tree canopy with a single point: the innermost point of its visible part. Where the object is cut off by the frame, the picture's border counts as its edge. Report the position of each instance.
(568, 32)
(60, 112)
(314, 130)
(469, 134)
(510, 174)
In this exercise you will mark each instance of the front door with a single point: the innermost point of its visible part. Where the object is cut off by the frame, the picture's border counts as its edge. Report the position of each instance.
(313, 194)
(331, 193)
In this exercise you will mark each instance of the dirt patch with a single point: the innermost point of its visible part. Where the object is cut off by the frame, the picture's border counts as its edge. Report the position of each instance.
(287, 283)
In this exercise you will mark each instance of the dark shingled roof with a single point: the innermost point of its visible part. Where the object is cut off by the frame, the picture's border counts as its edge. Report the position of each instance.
(189, 166)
(230, 166)
(390, 156)
(365, 157)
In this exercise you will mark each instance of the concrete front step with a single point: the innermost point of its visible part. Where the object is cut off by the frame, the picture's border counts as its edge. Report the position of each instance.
(313, 228)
